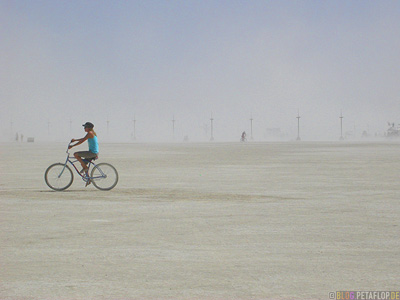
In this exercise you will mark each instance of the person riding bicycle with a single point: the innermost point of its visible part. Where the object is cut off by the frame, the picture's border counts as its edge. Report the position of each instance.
(243, 138)
(91, 137)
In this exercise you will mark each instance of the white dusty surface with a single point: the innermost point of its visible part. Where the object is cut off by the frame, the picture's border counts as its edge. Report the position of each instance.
(203, 221)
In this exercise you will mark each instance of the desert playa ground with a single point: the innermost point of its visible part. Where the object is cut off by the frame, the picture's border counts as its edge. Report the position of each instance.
(203, 221)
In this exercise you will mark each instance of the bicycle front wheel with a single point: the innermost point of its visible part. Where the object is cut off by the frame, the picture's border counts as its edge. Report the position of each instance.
(104, 176)
(58, 177)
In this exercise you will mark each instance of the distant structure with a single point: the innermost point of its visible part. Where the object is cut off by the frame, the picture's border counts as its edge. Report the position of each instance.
(341, 126)
(393, 131)
(212, 128)
(298, 126)
(108, 125)
(134, 128)
(251, 128)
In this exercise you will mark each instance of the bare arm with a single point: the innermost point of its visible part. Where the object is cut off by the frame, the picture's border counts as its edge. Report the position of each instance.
(80, 141)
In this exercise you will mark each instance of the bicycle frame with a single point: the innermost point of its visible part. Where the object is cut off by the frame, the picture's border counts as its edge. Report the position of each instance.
(72, 162)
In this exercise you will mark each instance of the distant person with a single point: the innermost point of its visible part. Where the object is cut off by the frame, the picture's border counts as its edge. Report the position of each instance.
(16, 137)
(22, 137)
(243, 139)
(91, 137)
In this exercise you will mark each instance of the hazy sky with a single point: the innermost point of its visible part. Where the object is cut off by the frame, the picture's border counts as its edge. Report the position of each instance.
(67, 62)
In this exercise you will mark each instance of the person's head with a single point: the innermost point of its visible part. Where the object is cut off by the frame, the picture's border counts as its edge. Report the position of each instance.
(88, 126)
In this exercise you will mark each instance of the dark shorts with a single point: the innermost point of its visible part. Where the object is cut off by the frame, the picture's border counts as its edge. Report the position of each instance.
(86, 154)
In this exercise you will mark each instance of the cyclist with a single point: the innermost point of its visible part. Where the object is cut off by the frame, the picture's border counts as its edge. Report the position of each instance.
(91, 137)
(243, 138)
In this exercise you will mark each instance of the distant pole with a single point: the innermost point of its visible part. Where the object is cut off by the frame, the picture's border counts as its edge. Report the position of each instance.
(108, 125)
(251, 127)
(212, 128)
(48, 127)
(173, 126)
(134, 128)
(298, 126)
(341, 126)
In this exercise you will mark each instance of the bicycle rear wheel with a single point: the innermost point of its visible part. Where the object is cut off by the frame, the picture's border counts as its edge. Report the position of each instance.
(58, 177)
(104, 176)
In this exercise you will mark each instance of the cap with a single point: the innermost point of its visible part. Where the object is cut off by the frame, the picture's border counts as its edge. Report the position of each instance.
(88, 125)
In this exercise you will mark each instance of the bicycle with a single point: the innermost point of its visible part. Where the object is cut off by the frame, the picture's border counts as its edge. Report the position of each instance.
(59, 176)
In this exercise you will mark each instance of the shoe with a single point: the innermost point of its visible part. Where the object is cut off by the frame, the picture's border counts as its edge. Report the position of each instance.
(84, 171)
(88, 182)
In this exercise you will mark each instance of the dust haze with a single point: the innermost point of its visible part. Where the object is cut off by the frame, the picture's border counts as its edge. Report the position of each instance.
(146, 63)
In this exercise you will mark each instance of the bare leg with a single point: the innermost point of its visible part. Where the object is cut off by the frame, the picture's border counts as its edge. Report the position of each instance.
(84, 166)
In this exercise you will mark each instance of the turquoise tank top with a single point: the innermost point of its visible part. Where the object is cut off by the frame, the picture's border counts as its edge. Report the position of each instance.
(93, 145)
